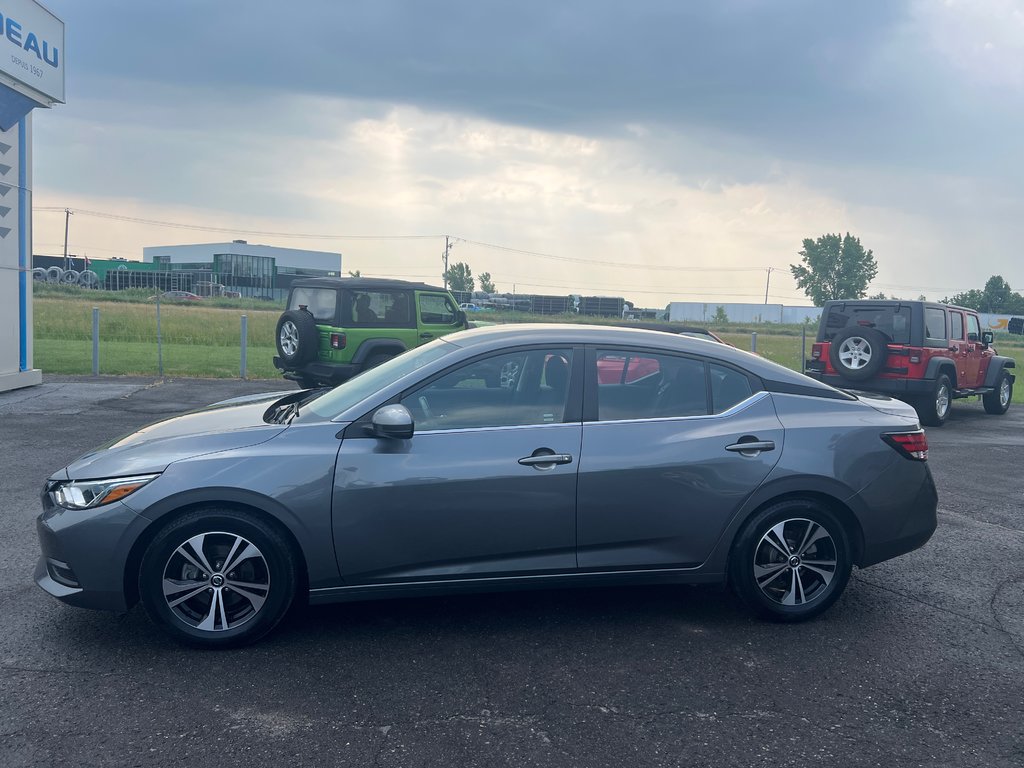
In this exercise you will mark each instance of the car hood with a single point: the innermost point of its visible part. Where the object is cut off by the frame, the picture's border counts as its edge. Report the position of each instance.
(219, 427)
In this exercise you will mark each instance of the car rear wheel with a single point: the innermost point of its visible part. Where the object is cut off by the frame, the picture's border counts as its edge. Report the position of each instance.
(997, 402)
(934, 409)
(217, 578)
(791, 561)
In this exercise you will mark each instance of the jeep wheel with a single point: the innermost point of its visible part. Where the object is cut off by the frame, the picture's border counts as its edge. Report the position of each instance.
(858, 353)
(297, 337)
(997, 402)
(374, 360)
(934, 410)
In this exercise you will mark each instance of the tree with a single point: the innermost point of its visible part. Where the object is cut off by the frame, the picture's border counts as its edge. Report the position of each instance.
(720, 317)
(834, 267)
(460, 277)
(880, 296)
(355, 273)
(486, 284)
(996, 295)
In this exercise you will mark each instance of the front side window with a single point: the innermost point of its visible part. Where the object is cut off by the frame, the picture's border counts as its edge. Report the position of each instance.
(436, 309)
(633, 385)
(973, 328)
(320, 302)
(934, 323)
(512, 389)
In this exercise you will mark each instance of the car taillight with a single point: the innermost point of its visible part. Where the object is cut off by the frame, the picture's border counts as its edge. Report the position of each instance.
(913, 445)
(816, 352)
(915, 355)
(338, 341)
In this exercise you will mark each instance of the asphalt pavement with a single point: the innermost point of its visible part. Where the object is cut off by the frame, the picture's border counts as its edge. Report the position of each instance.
(920, 663)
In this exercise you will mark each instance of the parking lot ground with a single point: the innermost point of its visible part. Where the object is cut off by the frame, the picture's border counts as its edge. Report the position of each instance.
(921, 663)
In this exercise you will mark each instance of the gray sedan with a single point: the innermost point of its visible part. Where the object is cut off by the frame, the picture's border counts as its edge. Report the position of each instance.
(500, 458)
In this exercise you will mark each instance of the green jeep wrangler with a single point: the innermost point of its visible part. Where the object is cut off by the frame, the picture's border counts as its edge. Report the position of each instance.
(335, 328)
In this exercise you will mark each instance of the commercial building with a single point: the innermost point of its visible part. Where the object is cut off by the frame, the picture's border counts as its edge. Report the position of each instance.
(259, 271)
(31, 75)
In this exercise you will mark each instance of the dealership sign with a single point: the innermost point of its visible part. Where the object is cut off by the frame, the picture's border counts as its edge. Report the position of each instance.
(32, 50)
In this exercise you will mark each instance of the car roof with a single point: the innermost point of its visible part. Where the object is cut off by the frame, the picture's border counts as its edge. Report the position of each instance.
(494, 337)
(365, 283)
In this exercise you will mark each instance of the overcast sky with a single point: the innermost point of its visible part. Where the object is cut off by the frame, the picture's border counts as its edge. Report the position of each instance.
(660, 150)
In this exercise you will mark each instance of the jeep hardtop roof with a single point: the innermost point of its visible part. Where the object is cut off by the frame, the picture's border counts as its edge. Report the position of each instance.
(364, 283)
(895, 303)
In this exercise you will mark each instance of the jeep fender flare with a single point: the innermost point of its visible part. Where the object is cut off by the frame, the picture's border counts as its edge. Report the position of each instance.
(996, 366)
(378, 346)
(938, 366)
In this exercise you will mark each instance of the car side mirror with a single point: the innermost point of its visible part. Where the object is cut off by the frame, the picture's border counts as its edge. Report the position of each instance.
(460, 317)
(394, 422)
(987, 337)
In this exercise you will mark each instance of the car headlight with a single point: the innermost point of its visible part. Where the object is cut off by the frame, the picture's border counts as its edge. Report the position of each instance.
(86, 494)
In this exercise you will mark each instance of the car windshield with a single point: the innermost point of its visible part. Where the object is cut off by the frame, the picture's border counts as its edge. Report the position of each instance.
(358, 388)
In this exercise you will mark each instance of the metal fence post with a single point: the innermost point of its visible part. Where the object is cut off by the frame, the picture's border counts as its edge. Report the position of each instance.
(95, 341)
(159, 341)
(753, 341)
(245, 336)
(803, 349)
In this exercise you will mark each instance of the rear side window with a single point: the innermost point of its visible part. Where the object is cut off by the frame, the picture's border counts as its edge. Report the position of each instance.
(728, 387)
(934, 323)
(322, 303)
(649, 386)
(893, 321)
(379, 308)
(956, 325)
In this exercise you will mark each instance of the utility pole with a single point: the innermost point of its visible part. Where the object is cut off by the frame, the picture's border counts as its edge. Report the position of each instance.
(767, 282)
(67, 220)
(447, 247)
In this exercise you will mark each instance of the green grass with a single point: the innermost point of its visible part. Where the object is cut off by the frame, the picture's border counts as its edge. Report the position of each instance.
(203, 339)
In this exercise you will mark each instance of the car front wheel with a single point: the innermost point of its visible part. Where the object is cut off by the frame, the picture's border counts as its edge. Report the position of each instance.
(217, 578)
(791, 561)
(997, 401)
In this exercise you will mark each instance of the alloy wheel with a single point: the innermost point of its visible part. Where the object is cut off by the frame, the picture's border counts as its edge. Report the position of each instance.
(216, 581)
(795, 561)
(855, 353)
(289, 338)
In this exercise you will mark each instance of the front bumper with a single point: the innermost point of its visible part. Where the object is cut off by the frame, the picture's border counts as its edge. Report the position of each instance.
(85, 554)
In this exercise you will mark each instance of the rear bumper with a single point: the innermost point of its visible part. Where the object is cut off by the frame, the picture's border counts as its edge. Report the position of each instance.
(905, 387)
(901, 513)
(325, 373)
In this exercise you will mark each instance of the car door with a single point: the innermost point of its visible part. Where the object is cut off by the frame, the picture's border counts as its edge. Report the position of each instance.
(485, 487)
(437, 316)
(974, 355)
(668, 459)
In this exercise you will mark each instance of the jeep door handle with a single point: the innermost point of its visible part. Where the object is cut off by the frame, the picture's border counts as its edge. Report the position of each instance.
(539, 460)
(752, 448)
(426, 335)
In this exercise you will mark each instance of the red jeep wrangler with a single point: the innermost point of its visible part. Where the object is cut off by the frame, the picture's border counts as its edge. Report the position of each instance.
(927, 354)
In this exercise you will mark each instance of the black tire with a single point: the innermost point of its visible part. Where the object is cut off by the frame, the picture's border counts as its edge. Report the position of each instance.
(305, 382)
(997, 402)
(812, 590)
(297, 337)
(933, 410)
(173, 557)
(858, 353)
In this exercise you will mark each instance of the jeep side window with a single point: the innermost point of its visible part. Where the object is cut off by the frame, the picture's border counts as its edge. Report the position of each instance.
(934, 323)
(321, 303)
(973, 328)
(956, 326)
(436, 309)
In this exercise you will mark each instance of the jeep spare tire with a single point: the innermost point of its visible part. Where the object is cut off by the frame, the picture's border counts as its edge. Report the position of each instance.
(858, 353)
(297, 337)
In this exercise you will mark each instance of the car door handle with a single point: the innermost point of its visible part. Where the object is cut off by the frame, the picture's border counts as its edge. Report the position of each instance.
(426, 335)
(751, 448)
(546, 458)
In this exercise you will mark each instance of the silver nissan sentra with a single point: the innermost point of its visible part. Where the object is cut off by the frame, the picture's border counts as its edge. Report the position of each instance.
(500, 458)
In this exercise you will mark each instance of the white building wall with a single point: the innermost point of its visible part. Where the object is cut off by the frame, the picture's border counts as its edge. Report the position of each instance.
(285, 257)
(695, 311)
